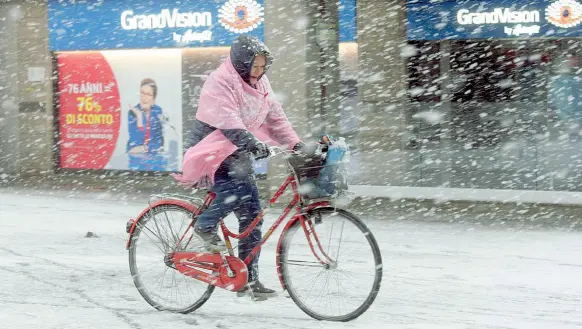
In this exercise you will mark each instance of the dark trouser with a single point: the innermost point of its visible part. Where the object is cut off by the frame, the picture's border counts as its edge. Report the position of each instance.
(236, 191)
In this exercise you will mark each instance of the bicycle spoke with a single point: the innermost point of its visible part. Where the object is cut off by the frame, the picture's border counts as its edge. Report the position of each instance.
(330, 235)
(340, 241)
(339, 285)
(321, 295)
(160, 234)
(349, 278)
(172, 243)
(154, 234)
(175, 233)
(313, 281)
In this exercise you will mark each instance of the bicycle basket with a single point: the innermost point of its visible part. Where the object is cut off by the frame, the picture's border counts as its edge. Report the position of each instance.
(324, 174)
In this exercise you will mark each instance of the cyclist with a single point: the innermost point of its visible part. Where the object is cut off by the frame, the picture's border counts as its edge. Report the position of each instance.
(237, 118)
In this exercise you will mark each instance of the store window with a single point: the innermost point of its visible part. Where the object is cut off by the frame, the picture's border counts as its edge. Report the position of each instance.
(423, 67)
(481, 71)
(482, 84)
(513, 119)
(424, 123)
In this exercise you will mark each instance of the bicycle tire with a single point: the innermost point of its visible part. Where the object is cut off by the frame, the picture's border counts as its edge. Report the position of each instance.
(135, 273)
(283, 253)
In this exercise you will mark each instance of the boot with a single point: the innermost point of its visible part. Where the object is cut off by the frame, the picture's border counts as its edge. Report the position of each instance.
(212, 241)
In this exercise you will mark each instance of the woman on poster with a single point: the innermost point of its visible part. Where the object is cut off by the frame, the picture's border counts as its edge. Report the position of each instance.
(145, 146)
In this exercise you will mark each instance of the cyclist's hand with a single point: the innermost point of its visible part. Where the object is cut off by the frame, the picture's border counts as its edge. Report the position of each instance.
(297, 148)
(308, 149)
(261, 151)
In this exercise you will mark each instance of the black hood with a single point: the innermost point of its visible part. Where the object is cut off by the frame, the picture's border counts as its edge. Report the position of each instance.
(243, 52)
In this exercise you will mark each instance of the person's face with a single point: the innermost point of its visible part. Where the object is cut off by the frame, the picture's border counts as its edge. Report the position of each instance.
(257, 69)
(146, 97)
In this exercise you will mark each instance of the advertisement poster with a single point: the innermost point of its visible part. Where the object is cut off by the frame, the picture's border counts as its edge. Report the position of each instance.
(121, 110)
(89, 111)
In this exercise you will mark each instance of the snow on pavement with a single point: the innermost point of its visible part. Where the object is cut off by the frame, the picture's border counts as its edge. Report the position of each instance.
(436, 275)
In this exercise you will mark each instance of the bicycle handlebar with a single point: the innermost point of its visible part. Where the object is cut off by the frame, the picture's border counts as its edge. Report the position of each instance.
(276, 150)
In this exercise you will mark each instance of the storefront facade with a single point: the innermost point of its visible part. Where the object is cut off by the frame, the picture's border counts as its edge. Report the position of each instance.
(494, 91)
(447, 94)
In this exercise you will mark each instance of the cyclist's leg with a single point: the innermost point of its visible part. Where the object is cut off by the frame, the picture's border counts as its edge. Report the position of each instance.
(227, 199)
(231, 185)
(246, 213)
(219, 208)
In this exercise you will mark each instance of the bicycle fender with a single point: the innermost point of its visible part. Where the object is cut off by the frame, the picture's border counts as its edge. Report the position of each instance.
(291, 222)
(132, 223)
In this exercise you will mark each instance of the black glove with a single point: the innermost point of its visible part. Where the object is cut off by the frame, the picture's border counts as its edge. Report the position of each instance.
(297, 148)
(261, 151)
(305, 149)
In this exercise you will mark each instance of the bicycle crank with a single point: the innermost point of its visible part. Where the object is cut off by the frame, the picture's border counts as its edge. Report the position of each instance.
(226, 272)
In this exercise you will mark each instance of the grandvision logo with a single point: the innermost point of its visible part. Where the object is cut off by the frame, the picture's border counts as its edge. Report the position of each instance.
(497, 16)
(165, 19)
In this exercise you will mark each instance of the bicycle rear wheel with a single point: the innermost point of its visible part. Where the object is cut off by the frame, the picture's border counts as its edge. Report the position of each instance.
(156, 235)
(345, 287)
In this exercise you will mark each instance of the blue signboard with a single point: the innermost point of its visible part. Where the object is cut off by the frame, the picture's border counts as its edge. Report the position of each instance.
(347, 21)
(496, 19)
(118, 24)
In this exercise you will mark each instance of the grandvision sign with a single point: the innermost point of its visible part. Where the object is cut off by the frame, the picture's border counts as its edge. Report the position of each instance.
(122, 24)
(430, 20)
(497, 16)
(165, 19)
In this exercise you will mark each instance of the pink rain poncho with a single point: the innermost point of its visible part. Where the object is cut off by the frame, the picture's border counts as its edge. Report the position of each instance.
(228, 102)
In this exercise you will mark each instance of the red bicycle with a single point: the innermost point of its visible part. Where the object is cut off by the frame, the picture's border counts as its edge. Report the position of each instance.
(310, 269)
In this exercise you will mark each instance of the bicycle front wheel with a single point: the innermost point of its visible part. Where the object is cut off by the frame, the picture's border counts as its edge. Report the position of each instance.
(334, 274)
(155, 237)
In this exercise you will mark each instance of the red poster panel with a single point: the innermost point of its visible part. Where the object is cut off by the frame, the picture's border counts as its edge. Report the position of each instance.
(89, 110)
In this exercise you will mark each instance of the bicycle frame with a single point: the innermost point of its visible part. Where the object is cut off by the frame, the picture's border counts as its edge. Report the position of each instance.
(295, 202)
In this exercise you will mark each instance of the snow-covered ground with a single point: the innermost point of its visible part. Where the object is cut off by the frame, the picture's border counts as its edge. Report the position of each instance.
(436, 275)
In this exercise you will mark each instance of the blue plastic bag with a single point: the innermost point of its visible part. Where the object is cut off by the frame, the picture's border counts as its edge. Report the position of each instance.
(332, 178)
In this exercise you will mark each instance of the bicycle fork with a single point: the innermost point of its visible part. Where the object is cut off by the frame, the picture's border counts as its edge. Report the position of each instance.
(309, 229)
